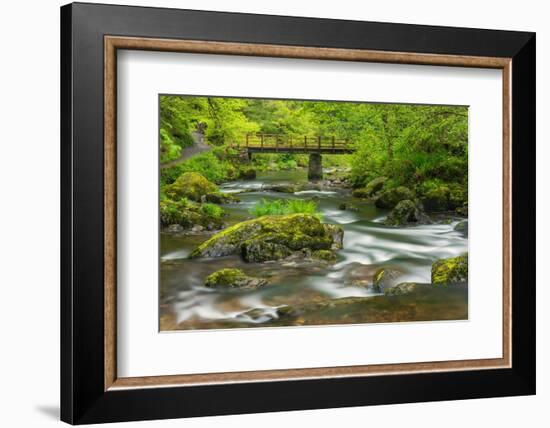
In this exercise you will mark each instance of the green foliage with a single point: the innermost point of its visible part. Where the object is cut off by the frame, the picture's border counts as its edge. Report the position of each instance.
(408, 144)
(179, 116)
(212, 210)
(206, 164)
(284, 207)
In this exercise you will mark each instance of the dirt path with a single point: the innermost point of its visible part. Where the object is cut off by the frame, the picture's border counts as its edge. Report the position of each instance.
(198, 147)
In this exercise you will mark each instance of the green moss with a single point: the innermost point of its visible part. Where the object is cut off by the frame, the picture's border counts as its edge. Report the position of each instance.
(325, 255)
(372, 187)
(451, 270)
(261, 250)
(361, 193)
(390, 198)
(191, 185)
(458, 196)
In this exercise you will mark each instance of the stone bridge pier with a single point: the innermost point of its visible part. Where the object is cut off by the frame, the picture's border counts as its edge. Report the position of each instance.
(315, 167)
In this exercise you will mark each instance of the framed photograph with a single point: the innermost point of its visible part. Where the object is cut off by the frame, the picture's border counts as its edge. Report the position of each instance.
(266, 213)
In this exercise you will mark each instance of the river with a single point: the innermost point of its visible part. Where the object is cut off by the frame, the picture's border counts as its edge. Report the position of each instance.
(368, 245)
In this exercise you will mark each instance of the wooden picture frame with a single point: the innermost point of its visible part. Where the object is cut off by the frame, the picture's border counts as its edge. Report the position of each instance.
(91, 390)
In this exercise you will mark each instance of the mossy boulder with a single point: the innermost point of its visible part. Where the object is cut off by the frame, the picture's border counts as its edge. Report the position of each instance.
(232, 278)
(458, 196)
(191, 185)
(405, 212)
(463, 210)
(450, 271)
(247, 173)
(361, 193)
(183, 213)
(371, 189)
(324, 255)
(219, 198)
(272, 238)
(390, 198)
(188, 214)
(436, 199)
(284, 188)
(462, 227)
(385, 278)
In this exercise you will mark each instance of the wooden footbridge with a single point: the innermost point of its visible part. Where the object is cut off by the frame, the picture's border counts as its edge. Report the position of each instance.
(315, 146)
(284, 143)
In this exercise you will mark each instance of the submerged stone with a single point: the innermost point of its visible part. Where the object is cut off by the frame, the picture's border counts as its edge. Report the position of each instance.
(403, 288)
(385, 278)
(462, 226)
(219, 198)
(232, 278)
(283, 188)
(450, 271)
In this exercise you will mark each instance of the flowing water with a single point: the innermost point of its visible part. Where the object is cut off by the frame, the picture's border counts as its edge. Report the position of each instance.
(368, 246)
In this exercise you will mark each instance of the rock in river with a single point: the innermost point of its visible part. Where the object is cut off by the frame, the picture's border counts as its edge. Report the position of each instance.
(232, 278)
(191, 185)
(405, 212)
(450, 271)
(390, 198)
(404, 288)
(272, 238)
(385, 278)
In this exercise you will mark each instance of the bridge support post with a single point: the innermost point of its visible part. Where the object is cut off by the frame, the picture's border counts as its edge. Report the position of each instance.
(315, 168)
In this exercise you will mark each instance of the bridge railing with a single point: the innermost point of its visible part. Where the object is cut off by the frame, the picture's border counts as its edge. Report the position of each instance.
(286, 141)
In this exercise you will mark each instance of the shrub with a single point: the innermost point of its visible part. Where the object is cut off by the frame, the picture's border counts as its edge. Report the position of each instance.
(212, 210)
(283, 207)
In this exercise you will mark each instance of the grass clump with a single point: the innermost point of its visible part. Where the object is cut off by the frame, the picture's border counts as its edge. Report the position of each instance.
(284, 207)
(212, 210)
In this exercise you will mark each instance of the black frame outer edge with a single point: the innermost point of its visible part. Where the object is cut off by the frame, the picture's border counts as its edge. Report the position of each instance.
(83, 400)
(66, 368)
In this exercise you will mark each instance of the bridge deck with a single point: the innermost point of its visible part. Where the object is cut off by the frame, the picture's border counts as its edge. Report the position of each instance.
(283, 143)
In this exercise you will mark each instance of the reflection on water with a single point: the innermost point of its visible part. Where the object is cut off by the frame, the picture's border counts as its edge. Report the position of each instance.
(368, 245)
